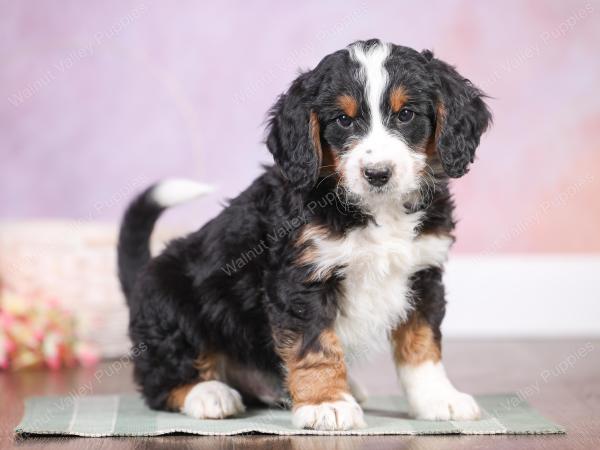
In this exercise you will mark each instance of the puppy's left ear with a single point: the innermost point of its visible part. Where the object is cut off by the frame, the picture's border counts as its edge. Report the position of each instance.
(461, 117)
(294, 135)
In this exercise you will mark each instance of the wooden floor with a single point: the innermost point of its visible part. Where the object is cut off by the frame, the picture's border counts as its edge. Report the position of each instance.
(560, 383)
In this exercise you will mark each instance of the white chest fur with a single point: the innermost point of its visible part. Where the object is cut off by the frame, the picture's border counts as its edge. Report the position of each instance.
(377, 262)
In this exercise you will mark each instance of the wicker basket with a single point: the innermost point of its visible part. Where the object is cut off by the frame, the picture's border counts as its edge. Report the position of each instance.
(75, 262)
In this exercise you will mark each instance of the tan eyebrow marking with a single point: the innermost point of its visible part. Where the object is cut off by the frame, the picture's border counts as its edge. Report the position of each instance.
(398, 98)
(348, 104)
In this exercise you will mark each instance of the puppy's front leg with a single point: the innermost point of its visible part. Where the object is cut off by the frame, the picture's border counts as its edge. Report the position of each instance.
(429, 392)
(317, 380)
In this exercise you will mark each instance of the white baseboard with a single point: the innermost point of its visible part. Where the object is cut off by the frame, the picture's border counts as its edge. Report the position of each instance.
(523, 296)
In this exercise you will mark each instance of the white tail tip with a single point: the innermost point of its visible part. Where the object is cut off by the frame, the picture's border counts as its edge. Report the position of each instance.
(178, 190)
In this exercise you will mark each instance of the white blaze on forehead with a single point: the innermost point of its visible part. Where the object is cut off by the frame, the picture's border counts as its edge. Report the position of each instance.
(373, 74)
(380, 145)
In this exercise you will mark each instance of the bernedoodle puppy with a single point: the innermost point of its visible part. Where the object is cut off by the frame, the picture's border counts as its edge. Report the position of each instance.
(333, 253)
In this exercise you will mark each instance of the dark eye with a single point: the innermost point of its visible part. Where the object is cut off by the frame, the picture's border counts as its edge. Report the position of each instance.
(405, 115)
(344, 120)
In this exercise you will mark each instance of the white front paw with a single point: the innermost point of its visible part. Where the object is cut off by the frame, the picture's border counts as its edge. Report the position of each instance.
(343, 414)
(212, 400)
(447, 404)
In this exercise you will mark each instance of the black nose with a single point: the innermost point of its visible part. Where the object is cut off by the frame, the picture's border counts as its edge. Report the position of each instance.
(377, 176)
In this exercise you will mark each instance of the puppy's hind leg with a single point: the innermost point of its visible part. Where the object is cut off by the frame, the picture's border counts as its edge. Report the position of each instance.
(177, 376)
(207, 400)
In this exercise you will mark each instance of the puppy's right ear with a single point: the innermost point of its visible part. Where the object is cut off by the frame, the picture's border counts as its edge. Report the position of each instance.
(294, 135)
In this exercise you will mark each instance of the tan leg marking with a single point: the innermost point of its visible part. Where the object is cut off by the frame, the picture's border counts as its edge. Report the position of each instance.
(317, 376)
(414, 342)
(429, 392)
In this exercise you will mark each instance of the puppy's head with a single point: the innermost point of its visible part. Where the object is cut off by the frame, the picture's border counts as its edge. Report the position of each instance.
(380, 120)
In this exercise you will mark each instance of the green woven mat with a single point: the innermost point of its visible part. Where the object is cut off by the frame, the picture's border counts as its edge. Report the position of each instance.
(126, 415)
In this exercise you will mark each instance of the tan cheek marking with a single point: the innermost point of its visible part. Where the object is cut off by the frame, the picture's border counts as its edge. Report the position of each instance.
(318, 376)
(440, 114)
(398, 98)
(414, 343)
(315, 132)
(348, 104)
(208, 369)
(331, 161)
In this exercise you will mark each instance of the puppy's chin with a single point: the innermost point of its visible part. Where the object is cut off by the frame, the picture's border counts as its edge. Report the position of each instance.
(372, 198)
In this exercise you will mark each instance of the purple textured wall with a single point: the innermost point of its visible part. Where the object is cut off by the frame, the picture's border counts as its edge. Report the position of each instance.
(99, 99)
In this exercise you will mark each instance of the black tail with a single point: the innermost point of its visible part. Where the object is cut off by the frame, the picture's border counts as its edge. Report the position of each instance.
(139, 220)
